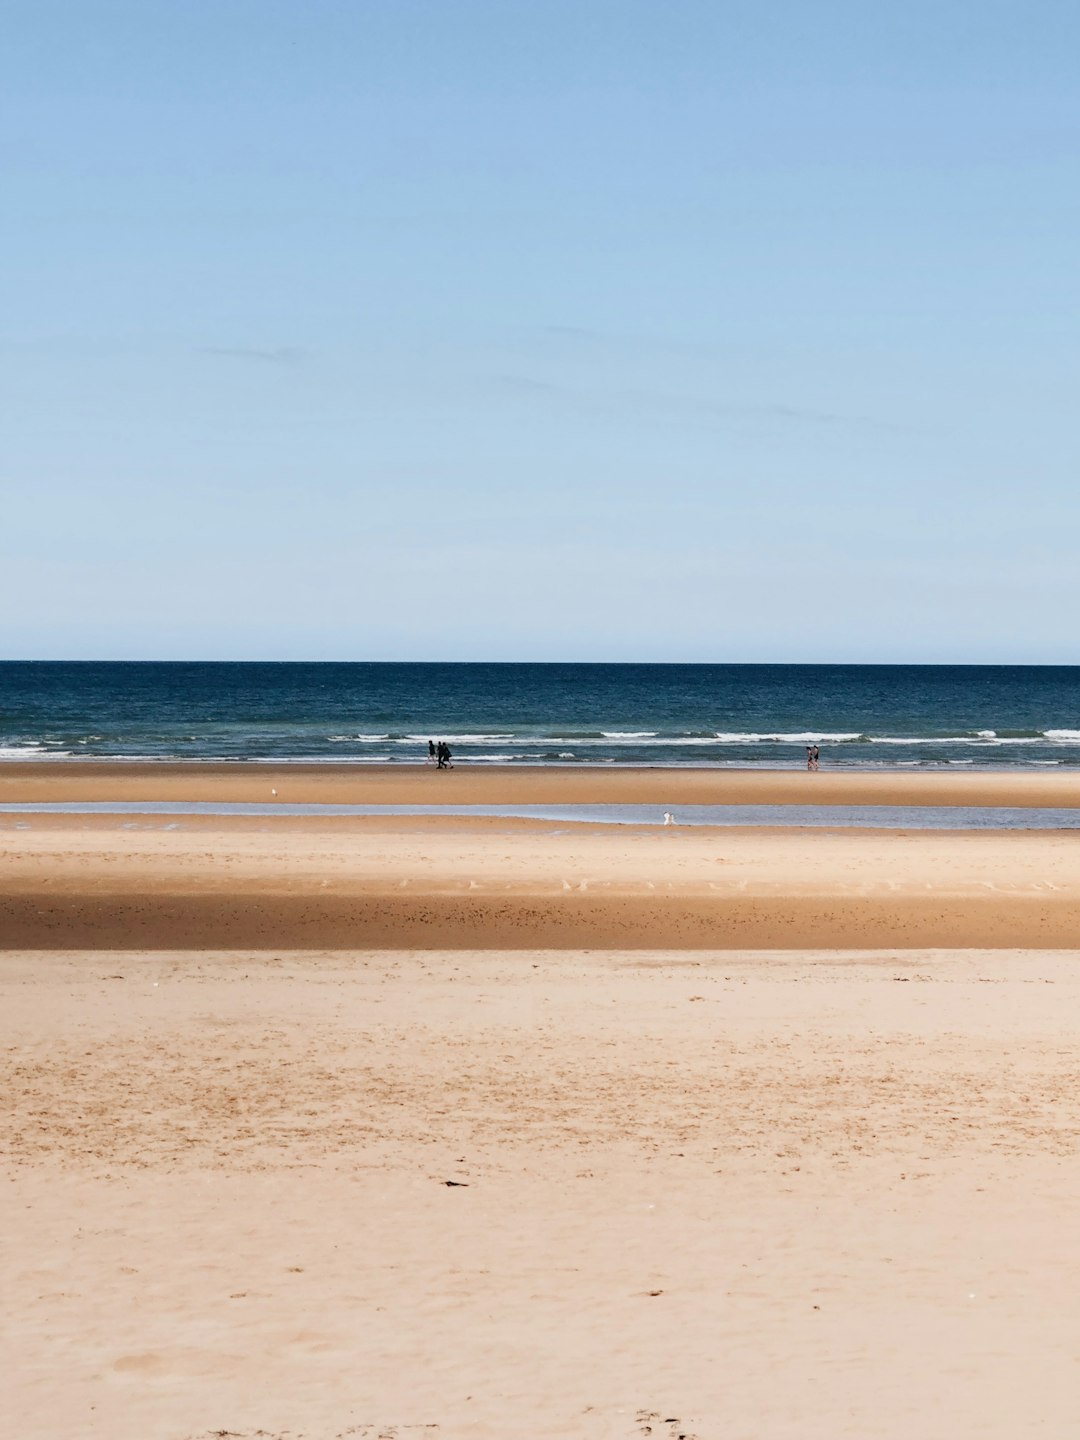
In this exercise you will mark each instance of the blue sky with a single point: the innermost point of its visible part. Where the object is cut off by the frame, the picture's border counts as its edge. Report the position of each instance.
(689, 331)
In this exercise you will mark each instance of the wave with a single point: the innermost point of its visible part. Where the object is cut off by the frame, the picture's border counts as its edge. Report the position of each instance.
(652, 739)
(479, 739)
(495, 759)
(595, 742)
(361, 739)
(797, 737)
(981, 738)
(935, 740)
(553, 743)
(28, 751)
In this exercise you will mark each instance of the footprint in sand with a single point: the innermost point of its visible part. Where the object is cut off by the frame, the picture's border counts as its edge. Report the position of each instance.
(663, 1427)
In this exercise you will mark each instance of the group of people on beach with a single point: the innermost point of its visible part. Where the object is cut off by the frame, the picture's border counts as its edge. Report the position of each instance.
(438, 754)
(813, 757)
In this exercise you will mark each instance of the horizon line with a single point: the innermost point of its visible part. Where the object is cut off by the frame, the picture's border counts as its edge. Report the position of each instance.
(850, 664)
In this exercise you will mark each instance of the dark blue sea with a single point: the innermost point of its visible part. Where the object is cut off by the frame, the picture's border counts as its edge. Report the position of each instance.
(862, 716)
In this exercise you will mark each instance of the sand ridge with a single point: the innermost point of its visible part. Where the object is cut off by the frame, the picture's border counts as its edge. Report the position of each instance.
(441, 883)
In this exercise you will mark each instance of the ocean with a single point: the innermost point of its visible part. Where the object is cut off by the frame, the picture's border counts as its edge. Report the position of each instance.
(862, 716)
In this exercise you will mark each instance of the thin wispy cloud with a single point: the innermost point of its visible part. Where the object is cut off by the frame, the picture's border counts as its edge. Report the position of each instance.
(626, 342)
(662, 405)
(283, 355)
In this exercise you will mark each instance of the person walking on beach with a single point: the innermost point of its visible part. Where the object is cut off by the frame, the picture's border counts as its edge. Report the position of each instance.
(816, 755)
(443, 755)
(431, 752)
(809, 757)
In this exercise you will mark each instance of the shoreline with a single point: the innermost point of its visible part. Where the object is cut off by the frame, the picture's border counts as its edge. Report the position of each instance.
(250, 781)
(454, 882)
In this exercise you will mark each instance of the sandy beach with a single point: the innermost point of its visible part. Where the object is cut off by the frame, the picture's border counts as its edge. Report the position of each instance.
(294, 882)
(404, 1127)
(782, 1195)
(528, 785)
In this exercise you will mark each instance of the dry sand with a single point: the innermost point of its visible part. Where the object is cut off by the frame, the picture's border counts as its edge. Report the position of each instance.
(725, 1187)
(787, 1196)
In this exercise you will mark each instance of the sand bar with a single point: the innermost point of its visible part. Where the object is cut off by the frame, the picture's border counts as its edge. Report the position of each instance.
(404, 883)
(529, 785)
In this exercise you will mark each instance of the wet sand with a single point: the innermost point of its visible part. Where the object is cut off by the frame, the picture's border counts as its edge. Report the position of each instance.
(525, 785)
(286, 883)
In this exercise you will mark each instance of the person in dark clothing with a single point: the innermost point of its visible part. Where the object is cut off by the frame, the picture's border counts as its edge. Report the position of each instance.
(431, 751)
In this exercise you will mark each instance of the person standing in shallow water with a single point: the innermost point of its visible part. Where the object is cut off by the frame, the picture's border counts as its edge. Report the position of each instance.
(817, 758)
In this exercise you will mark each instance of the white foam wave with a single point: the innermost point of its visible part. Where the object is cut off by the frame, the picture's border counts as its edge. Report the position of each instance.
(798, 737)
(951, 740)
(24, 752)
(608, 744)
(527, 756)
(652, 739)
(460, 739)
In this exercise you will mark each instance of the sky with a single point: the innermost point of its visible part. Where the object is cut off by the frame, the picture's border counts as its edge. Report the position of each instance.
(540, 330)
